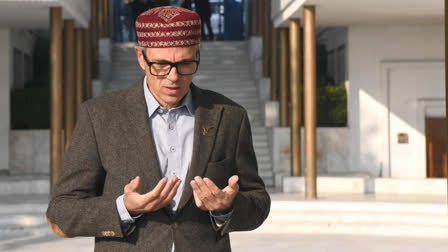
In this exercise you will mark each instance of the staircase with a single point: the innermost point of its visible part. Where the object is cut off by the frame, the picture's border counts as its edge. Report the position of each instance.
(224, 68)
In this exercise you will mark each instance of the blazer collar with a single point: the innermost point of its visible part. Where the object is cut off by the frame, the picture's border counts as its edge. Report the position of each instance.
(140, 134)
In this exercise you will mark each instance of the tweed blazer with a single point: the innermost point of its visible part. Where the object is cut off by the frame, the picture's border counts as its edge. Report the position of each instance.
(112, 143)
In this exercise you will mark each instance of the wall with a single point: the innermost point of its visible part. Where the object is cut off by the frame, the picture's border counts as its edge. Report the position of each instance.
(30, 152)
(332, 151)
(416, 90)
(369, 47)
(5, 84)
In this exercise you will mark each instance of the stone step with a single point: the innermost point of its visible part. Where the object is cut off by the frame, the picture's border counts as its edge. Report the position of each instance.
(331, 217)
(224, 69)
(264, 166)
(22, 185)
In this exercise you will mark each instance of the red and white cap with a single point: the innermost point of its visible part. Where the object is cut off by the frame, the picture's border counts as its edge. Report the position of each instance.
(168, 26)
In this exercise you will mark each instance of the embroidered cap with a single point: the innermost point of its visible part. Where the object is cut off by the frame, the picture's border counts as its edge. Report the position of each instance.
(168, 26)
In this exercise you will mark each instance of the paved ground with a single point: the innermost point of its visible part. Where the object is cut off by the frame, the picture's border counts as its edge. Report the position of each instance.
(39, 238)
(242, 242)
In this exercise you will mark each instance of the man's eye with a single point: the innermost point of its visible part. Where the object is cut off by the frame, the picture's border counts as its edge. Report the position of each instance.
(161, 66)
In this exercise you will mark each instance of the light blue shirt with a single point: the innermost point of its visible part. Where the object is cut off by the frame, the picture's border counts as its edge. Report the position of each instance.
(173, 131)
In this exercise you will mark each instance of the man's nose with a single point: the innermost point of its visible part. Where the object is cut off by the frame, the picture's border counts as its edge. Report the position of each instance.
(173, 75)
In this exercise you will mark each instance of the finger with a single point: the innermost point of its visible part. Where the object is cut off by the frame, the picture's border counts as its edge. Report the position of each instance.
(213, 188)
(198, 202)
(206, 196)
(133, 185)
(195, 186)
(202, 185)
(168, 187)
(233, 186)
(171, 194)
(155, 193)
(233, 181)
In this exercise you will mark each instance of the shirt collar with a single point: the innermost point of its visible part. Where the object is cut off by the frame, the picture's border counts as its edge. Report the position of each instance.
(153, 104)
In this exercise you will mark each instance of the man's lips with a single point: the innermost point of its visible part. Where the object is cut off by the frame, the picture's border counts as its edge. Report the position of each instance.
(172, 90)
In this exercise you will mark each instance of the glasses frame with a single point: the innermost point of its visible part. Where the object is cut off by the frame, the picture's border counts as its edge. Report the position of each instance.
(173, 64)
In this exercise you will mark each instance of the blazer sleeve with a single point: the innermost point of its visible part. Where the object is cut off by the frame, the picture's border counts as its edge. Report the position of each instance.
(251, 205)
(77, 206)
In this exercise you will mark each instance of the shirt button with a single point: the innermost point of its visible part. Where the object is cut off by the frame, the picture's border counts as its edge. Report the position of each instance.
(160, 111)
(172, 149)
(173, 173)
(171, 126)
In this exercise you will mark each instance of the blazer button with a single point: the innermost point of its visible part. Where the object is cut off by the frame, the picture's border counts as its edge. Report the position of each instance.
(108, 233)
(174, 225)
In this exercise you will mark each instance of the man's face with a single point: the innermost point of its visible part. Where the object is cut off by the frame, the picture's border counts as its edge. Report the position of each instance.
(170, 89)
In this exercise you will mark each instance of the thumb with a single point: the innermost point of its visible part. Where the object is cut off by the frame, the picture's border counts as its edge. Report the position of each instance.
(133, 185)
(233, 181)
(233, 185)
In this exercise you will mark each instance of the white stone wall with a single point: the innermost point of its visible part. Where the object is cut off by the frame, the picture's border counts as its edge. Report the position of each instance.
(371, 50)
(5, 84)
(332, 151)
(30, 152)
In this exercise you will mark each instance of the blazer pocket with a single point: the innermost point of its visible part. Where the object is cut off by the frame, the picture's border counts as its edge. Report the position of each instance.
(220, 172)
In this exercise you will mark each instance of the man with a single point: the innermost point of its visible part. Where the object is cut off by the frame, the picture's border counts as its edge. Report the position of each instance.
(163, 165)
(203, 9)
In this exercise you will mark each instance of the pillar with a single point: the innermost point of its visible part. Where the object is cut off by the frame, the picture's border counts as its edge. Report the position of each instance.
(88, 62)
(79, 55)
(274, 65)
(105, 17)
(56, 104)
(266, 37)
(94, 34)
(260, 7)
(99, 15)
(69, 81)
(253, 13)
(284, 77)
(446, 76)
(295, 69)
(310, 100)
(6, 73)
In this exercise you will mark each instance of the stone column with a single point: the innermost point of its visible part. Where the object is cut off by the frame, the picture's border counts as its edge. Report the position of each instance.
(254, 18)
(295, 70)
(274, 65)
(100, 16)
(5, 104)
(69, 81)
(56, 93)
(79, 55)
(88, 62)
(310, 100)
(105, 18)
(284, 77)
(94, 34)
(260, 7)
(446, 76)
(266, 38)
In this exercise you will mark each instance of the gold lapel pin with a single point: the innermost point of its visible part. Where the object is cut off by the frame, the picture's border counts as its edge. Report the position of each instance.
(206, 131)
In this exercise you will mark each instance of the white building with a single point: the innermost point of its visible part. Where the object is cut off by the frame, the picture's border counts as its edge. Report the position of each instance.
(394, 56)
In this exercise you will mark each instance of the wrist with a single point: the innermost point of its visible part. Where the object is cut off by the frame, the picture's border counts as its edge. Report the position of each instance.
(221, 212)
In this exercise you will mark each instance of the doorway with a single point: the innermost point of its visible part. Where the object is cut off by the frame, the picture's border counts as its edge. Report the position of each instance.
(436, 156)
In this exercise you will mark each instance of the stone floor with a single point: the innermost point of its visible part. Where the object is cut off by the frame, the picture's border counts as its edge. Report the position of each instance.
(23, 227)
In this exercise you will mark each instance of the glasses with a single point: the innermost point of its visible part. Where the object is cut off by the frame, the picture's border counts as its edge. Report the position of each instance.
(163, 69)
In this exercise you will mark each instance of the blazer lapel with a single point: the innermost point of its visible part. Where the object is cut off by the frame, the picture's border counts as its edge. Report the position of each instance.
(140, 134)
(207, 118)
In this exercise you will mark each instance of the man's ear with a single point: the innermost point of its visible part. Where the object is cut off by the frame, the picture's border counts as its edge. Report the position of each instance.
(140, 59)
